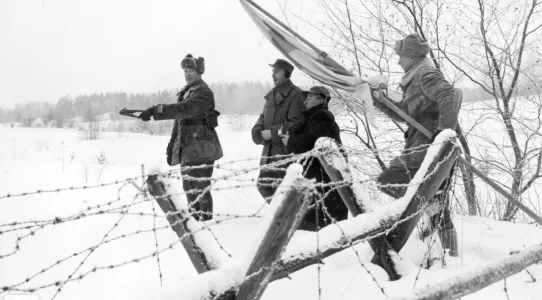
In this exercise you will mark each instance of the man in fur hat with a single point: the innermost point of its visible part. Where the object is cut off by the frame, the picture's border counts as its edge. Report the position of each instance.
(429, 99)
(283, 105)
(194, 143)
(301, 137)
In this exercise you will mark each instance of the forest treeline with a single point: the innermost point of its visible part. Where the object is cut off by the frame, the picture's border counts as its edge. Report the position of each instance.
(243, 98)
(230, 98)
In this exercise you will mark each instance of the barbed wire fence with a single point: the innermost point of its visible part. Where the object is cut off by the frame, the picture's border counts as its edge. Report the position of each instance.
(232, 175)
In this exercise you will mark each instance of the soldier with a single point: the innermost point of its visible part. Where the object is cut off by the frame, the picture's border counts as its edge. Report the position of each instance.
(283, 105)
(429, 99)
(317, 122)
(194, 143)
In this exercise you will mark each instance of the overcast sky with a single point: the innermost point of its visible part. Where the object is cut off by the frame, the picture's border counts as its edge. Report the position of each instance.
(52, 48)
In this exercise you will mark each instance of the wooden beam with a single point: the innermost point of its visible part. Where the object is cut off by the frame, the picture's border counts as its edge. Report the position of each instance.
(437, 173)
(472, 279)
(178, 220)
(289, 265)
(502, 191)
(379, 244)
(285, 222)
(296, 262)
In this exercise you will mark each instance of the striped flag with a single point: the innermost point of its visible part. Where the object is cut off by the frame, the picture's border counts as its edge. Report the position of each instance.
(316, 64)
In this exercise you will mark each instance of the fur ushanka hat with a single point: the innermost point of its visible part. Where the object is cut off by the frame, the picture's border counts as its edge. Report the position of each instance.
(413, 45)
(189, 62)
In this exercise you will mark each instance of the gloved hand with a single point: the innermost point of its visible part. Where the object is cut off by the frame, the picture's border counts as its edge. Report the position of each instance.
(147, 114)
(266, 134)
(435, 135)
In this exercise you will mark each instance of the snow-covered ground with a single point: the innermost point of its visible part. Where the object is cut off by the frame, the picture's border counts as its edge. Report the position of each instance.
(43, 159)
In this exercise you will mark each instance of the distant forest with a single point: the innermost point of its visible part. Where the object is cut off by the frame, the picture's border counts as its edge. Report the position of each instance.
(243, 98)
(230, 98)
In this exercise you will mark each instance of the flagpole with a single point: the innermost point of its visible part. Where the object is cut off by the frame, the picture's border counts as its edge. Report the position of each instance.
(384, 99)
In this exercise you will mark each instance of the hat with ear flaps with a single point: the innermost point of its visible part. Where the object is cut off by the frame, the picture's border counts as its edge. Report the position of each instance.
(189, 62)
(413, 45)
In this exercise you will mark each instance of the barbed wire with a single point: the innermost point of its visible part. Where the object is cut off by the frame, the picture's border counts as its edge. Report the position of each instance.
(124, 210)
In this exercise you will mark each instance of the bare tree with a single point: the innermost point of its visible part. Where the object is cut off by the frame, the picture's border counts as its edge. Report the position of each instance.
(481, 44)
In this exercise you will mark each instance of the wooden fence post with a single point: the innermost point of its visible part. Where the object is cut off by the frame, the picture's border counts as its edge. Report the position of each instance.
(379, 244)
(285, 222)
(178, 221)
(437, 173)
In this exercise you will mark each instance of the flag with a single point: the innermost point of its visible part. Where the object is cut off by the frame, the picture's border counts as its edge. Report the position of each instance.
(316, 64)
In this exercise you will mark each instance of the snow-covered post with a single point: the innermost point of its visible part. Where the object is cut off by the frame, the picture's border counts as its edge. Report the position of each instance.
(439, 168)
(285, 222)
(201, 247)
(472, 279)
(353, 196)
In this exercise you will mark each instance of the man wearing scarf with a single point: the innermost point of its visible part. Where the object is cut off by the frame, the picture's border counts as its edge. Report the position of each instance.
(429, 99)
(194, 143)
(317, 122)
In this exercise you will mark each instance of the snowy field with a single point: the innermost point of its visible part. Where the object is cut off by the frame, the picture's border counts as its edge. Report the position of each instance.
(45, 159)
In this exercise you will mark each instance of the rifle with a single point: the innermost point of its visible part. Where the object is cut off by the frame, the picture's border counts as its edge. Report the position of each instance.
(130, 112)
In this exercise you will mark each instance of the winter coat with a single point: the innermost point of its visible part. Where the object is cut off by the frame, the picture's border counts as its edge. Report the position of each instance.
(192, 141)
(283, 106)
(317, 122)
(429, 99)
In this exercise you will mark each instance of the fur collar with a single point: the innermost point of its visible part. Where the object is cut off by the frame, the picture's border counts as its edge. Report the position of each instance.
(312, 110)
(421, 65)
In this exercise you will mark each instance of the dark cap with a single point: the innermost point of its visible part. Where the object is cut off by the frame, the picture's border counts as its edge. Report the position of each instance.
(283, 64)
(320, 90)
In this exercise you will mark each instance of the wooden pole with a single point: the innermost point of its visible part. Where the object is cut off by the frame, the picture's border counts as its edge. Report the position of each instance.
(178, 224)
(380, 245)
(296, 262)
(502, 191)
(438, 171)
(285, 222)
(472, 279)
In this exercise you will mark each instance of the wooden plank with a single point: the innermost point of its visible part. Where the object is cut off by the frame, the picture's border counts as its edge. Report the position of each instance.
(178, 223)
(472, 279)
(379, 244)
(289, 265)
(285, 222)
(438, 171)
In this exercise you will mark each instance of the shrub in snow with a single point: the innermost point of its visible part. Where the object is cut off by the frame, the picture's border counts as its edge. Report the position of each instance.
(101, 158)
(90, 131)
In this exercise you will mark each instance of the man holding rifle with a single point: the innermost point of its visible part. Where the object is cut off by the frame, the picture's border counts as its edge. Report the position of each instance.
(194, 143)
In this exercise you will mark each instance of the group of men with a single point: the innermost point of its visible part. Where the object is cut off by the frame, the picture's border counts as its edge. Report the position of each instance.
(291, 122)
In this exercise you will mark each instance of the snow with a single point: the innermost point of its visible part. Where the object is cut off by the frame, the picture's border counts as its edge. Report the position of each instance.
(41, 159)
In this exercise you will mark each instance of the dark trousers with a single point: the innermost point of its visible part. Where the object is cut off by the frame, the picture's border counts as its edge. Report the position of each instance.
(441, 220)
(195, 181)
(270, 178)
